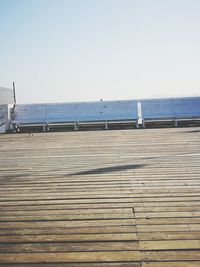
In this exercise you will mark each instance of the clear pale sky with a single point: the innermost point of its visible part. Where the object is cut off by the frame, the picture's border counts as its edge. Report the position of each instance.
(77, 50)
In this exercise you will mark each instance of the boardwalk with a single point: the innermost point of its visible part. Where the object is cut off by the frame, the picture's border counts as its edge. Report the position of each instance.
(101, 198)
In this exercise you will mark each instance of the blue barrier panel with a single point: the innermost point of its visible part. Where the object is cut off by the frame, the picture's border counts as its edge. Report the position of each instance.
(186, 107)
(80, 112)
(30, 113)
(92, 111)
(171, 108)
(153, 109)
(157, 108)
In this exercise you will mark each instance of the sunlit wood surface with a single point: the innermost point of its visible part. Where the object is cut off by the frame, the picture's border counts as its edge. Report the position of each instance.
(101, 198)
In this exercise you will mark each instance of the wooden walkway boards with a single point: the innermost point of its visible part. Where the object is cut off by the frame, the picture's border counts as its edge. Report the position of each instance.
(102, 198)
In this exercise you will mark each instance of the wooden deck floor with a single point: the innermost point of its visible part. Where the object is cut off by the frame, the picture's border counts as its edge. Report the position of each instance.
(104, 198)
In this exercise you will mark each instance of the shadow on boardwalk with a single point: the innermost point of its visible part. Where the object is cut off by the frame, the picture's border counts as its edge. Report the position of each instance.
(109, 169)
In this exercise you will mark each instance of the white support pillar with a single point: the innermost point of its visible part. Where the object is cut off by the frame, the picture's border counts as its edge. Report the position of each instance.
(175, 123)
(44, 127)
(106, 125)
(75, 126)
(140, 122)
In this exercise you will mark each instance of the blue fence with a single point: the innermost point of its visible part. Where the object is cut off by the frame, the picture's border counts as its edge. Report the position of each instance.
(187, 107)
(171, 108)
(157, 109)
(79, 112)
(152, 109)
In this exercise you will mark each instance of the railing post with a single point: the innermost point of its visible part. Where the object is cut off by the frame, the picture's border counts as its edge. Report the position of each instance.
(44, 127)
(75, 126)
(106, 125)
(140, 121)
(175, 123)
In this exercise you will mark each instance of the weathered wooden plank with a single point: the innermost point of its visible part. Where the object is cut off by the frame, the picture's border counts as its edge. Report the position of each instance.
(177, 235)
(169, 244)
(172, 264)
(43, 196)
(68, 201)
(69, 230)
(88, 264)
(167, 209)
(67, 211)
(174, 255)
(64, 247)
(69, 206)
(106, 184)
(68, 238)
(171, 220)
(171, 204)
(113, 198)
(59, 257)
(89, 193)
(150, 202)
(64, 223)
(166, 228)
(164, 214)
(88, 212)
(66, 217)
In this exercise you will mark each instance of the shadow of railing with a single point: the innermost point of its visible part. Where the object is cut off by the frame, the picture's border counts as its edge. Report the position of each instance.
(109, 169)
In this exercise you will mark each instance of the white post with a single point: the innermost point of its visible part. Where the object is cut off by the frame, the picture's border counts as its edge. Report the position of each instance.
(75, 126)
(140, 121)
(44, 127)
(106, 125)
(175, 123)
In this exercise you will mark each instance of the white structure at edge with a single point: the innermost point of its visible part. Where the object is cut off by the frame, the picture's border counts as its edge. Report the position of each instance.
(6, 98)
